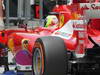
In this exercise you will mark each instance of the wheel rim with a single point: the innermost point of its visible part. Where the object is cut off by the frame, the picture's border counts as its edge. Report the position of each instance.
(37, 62)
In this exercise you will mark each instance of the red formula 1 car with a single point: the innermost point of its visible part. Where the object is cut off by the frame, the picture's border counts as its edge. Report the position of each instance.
(69, 49)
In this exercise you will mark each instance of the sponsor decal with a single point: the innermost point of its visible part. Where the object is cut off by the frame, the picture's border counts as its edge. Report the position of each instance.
(90, 5)
(89, 9)
(62, 34)
(61, 20)
(25, 43)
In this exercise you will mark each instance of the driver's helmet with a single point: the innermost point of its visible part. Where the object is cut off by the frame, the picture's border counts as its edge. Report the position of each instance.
(51, 21)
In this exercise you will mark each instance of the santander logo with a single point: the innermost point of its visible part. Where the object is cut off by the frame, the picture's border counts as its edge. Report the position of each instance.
(87, 6)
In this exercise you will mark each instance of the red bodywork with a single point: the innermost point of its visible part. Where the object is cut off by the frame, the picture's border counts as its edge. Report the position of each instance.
(17, 36)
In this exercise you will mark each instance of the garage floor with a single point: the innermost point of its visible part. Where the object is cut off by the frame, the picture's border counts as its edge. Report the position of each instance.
(12, 70)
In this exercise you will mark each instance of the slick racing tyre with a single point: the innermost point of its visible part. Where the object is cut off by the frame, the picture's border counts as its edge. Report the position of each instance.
(49, 56)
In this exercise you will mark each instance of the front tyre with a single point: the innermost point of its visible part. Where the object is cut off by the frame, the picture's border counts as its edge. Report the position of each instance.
(49, 56)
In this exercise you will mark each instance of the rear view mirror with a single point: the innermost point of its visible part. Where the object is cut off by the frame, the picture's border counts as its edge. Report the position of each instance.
(23, 26)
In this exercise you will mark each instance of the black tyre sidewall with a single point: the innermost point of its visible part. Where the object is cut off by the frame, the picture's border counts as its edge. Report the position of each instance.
(54, 55)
